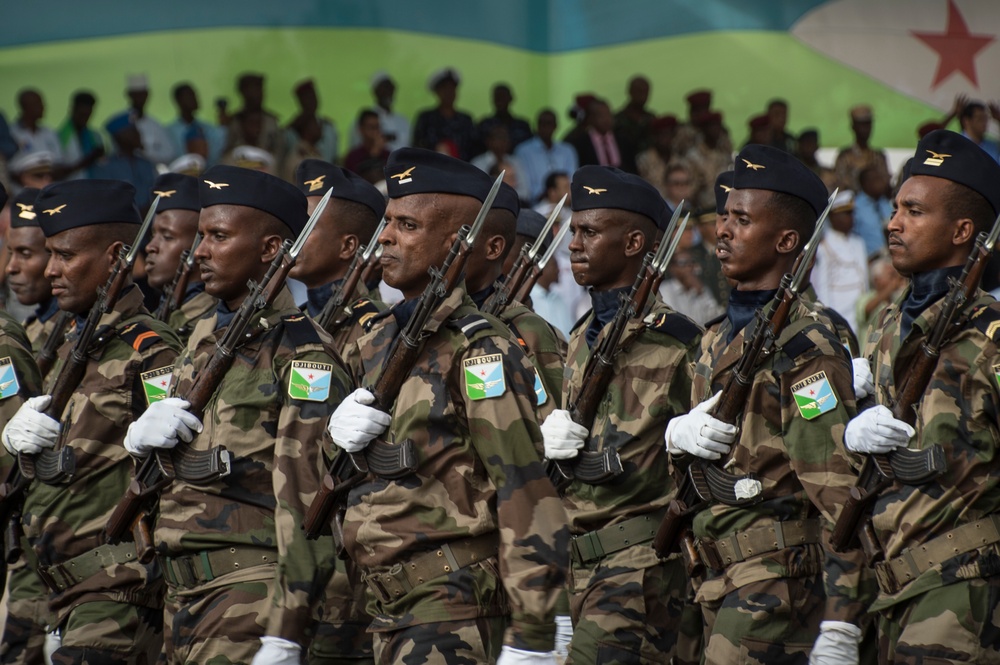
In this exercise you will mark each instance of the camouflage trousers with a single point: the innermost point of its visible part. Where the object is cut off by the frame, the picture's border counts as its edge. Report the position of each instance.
(28, 616)
(342, 635)
(957, 623)
(469, 642)
(771, 622)
(632, 607)
(107, 633)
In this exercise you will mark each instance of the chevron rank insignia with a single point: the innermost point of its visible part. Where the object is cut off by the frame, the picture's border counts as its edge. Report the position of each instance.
(484, 377)
(156, 383)
(814, 396)
(309, 381)
(541, 397)
(8, 378)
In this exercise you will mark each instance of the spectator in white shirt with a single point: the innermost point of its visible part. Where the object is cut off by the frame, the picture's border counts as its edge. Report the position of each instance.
(840, 274)
(28, 132)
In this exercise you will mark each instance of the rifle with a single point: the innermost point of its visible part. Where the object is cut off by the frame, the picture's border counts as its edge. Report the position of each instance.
(47, 354)
(174, 291)
(379, 457)
(328, 318)
(598, 467)
(159, 469)
(58, 466)
(912, 467)
(527, 260)
(704, 482)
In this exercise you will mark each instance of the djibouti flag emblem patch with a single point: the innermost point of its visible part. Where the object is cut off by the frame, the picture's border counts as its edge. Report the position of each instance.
(8, 378)
(309, 381)
(156, 383)
(541, 397)
(814, 396)
(484, 377)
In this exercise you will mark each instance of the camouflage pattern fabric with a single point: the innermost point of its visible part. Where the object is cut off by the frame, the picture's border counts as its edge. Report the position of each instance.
(627, 606)
(545, 348)
(794, 445)
(270, 412)
(19, 377)
(123, 634)
(38, 331)
(183, 319)
(366, 305)
(442, 643)
(468, 406)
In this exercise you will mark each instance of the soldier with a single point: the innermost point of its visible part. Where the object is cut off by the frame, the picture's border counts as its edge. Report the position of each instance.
(626, 601)
(174, 229)
(765, 597)
(939, 582)
(107, 604)
(242, 579)
(349, 221)
(467, 551)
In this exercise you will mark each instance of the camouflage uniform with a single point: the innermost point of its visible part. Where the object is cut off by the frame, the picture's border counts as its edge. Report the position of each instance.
(766, 606)
(627, 604)
(196, 306)
(349, 324)
(235, 558)
(479, 485)
(109, 613)
(945, 608)
(706, 164)
(855, 159)
(39, 325)
(545, 348)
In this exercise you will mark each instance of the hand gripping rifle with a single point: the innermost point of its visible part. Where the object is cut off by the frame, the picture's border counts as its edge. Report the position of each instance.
(332, 316)
(528, 262)
(47, 354)
(596, 467)
(705, 482)
(908, 466)
(380, 458)
(58, 466)
(160, 468)
(173, 293)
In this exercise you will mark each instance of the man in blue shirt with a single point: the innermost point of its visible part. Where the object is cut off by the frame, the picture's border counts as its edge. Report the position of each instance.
(542, 154)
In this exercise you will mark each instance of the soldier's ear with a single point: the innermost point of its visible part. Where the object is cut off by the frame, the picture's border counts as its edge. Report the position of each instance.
(348, 247)
(111, 253)
(270, 245)
(635, 243)
(788, 241)
(965, 231)
(495, 246)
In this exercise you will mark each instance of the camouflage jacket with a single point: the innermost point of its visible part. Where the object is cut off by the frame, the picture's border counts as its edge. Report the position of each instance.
(960, 411)
(651, 385)
(349, 324)
(469, 407)
(792, 440)
(183, 319)
(64, 521)
(545, 348)
(270, 412)
(39, 325)
(19, 377)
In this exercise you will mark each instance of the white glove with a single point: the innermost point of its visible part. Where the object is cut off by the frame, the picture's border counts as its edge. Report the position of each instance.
(53, 641)
(875, 431)
(700, 434)
(30, 430)
(864, 382)
(512, 656)
(162, 425)
(564, 633)
(837, 644)
(563, 437)
(354, 424)
(277, 651)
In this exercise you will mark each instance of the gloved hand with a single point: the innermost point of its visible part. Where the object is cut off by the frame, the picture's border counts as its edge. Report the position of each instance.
(875, 431)
(864, 382)
(30, 430)
(162, 425)
(700, 434)
(512, 656)
(563, 437)
(564, 633)
(53, 640)
(277, 651)
(354, 424)
(837, 644)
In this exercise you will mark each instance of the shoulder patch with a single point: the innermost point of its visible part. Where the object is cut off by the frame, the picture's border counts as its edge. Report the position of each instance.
(156, 383)
(139, 336)
(300, 331)
(9, 384)
(716, 321)
(798, 345)
(484, 377)
(987, 320)
(580, 321)
(676, 325)
(814, 396)
(309, 381)
(364, 310)
(471, 324)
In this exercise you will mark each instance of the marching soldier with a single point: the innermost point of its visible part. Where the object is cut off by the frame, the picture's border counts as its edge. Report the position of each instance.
(774, 587)
(242, 579)
(626, 601)
(108, 605)
(465, 552)
(940, 580)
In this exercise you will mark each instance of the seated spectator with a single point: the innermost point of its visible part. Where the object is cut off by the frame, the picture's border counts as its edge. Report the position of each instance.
(598, 144)
(685, 292)
(808, 146)
(760, 130)
(395, 127)
(542, 155)
(81, 145)
(252, 125)
(28, 131)
(497, 157)
(127, 162)
(860, 155)
(574, 295)
(308, 136)
(32, 169)
(633, 123)
(872, 209)
(157, 146)
(975, 119)
(653, 162)
(444, 122)
(191, 135)
(254, 158)
(711, 155)
(840, 274)
(777, 119)
(191, 164)
(372, 152)
(679, 187)
(886, 286)
(327, 146)
(517, 128)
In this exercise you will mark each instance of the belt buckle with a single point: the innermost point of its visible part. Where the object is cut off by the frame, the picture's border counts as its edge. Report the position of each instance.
(225, 463)
(47, 579)
(375, 584)
(710, 555)
(183, 571)
(886, 578)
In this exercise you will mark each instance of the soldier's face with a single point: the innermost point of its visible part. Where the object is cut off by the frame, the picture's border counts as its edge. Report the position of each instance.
(233, 250)
(79, 264)
(601, 248)
(418, 234)
(173, 232)
(26, 265)
(328, 252)
(752, 249)
(922, 234)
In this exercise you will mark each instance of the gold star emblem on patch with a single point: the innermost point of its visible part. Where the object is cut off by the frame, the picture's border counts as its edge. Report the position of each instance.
(315, 183)
(216, 185)
(594, 190)
(726, 188)
(404, 177)
(54, 211)
(936, 158)
(165, 195)
(27, 211)
(751, 165)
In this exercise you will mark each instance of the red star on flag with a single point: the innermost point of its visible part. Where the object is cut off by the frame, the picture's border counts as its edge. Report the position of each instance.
(812, 392)
(310, 377)
(482, 372)
(163, 383)
(956, 48)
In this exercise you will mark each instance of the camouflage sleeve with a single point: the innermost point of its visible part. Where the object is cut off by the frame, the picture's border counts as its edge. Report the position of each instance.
(304, 566)
(531, 519)
(19, 377)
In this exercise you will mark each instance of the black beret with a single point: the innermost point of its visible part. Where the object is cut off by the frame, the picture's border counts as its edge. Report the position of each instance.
(71, 204)
(949, 155)
(764, 167)
(314, 177)
(232, 185)
(418, 171)
(22, 208)
(507, 199)
(723, 183)
(3, 196)
(530, 223)
(177, 192)
(596, 187)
